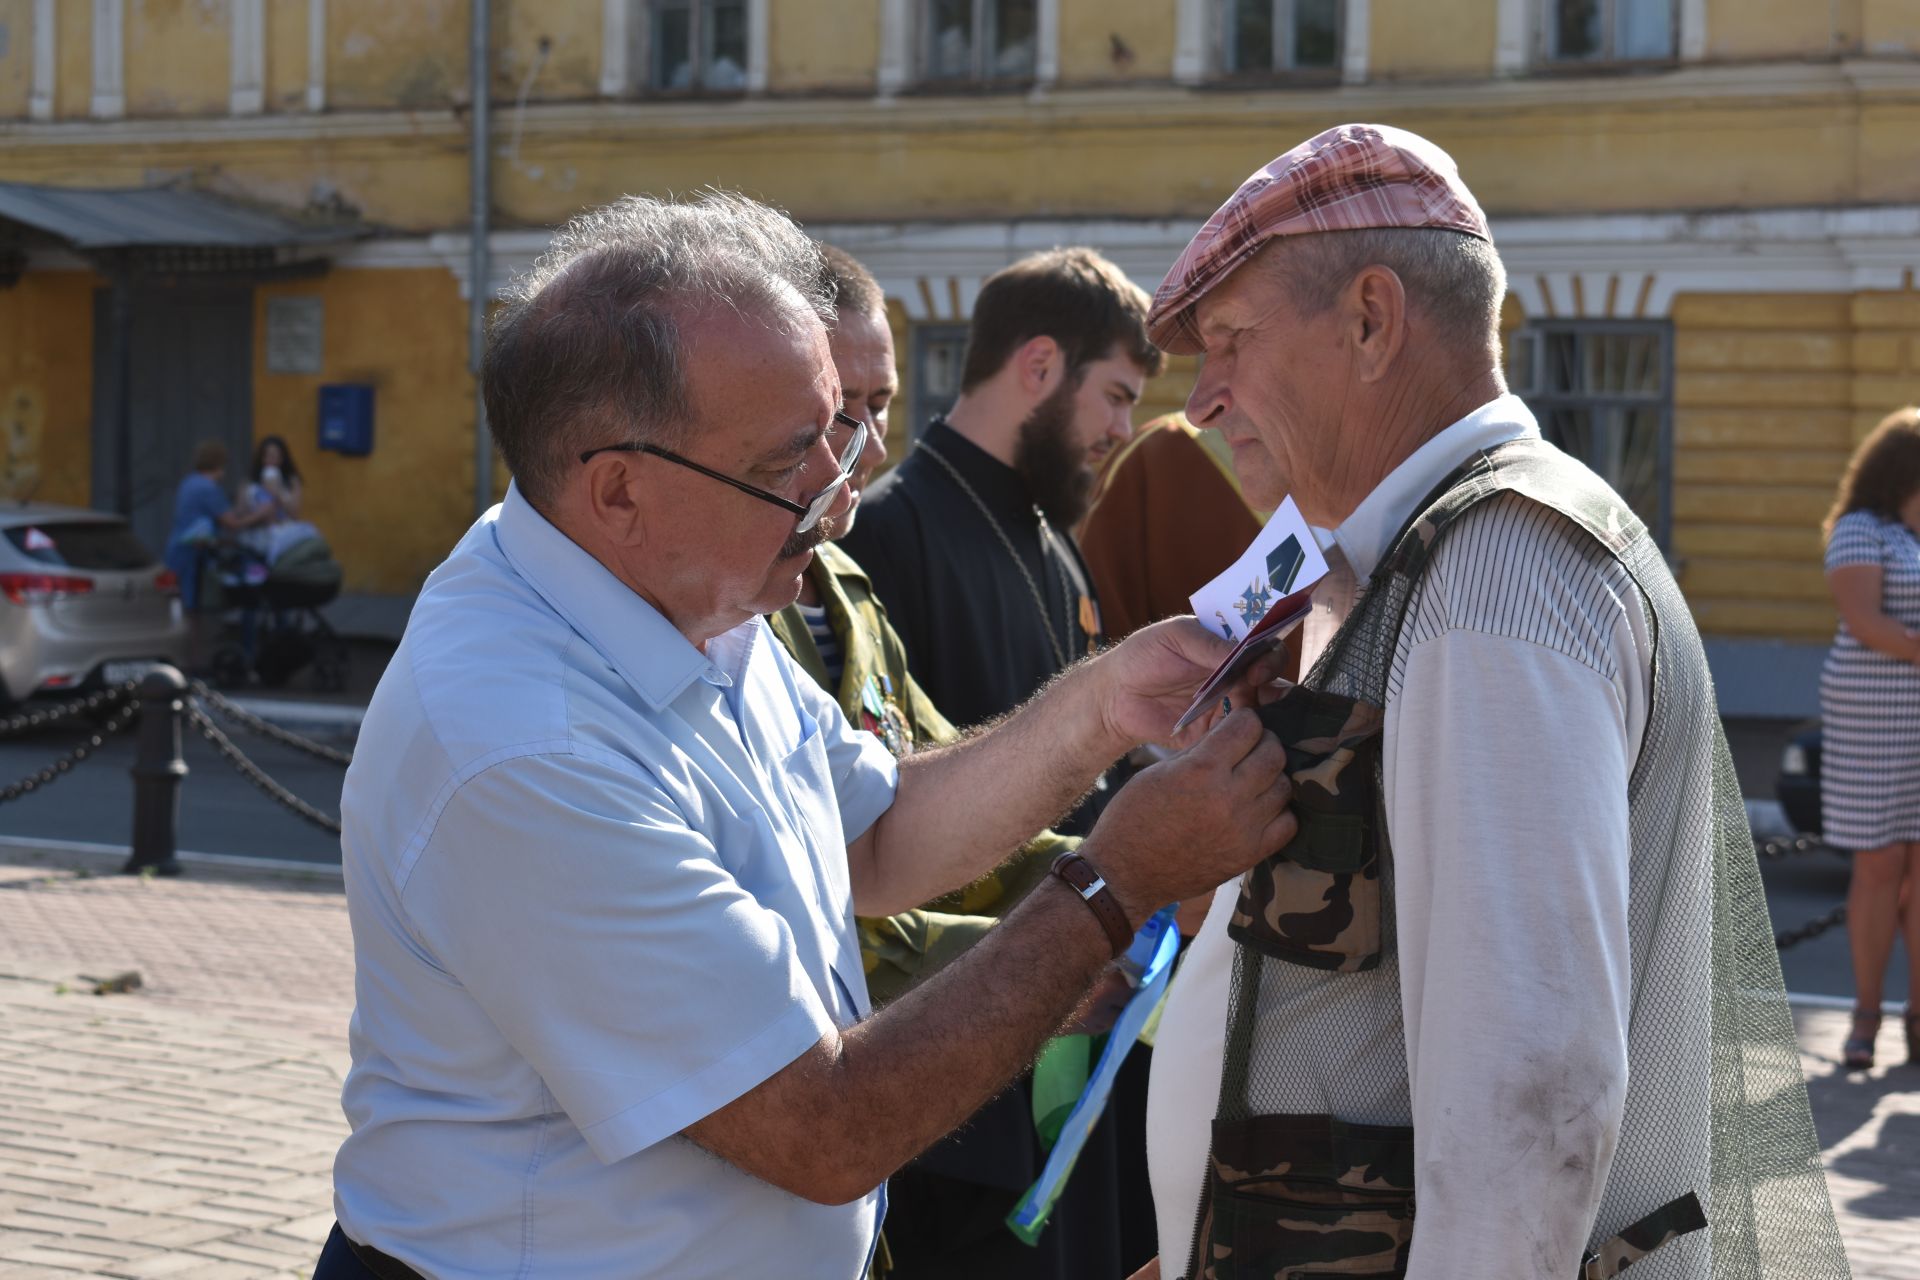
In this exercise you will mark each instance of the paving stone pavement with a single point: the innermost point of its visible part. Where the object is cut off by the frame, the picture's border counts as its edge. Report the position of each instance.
(188, 1128)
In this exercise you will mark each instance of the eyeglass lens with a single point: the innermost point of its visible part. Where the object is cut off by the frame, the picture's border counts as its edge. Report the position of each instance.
(849, 456)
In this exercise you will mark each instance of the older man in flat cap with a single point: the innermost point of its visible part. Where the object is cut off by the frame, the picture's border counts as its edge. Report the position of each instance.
(1515, 968)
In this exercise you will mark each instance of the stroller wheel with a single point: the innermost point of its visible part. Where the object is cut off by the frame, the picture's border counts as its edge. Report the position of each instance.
(230, 668)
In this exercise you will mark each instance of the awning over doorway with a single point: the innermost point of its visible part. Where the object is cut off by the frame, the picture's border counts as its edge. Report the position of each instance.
(87, 218)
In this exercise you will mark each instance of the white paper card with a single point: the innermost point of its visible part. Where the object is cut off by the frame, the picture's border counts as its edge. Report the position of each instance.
(1283, 560)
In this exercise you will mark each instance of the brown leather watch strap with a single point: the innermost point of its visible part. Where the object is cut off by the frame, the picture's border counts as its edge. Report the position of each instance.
(1085, 881)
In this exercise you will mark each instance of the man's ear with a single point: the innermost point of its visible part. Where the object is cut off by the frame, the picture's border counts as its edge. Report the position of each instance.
(1376, 305)
(608, 495)
(1040, 364)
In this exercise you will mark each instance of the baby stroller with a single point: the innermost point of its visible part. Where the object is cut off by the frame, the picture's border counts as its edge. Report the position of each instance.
(279, 591)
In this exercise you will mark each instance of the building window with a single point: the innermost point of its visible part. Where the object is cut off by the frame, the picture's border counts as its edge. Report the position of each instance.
(1586, 31)
(1265, 37)
(939, 352)
(982, 41)
(1603, 391)
(691, 46)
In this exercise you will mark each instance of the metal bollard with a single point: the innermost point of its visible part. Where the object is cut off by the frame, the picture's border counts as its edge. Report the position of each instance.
(157, 770)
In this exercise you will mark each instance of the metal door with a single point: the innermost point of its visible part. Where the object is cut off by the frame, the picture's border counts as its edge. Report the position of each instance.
(191, 367)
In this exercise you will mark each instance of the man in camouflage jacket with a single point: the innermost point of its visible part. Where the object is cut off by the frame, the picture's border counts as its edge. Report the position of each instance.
(878, 694)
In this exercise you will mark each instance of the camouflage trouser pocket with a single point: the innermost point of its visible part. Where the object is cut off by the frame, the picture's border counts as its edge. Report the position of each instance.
(1298, 1197)
(1317, 901)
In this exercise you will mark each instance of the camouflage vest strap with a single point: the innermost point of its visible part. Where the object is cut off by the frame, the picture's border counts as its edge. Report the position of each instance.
(1529, 467)
(1663, 1226)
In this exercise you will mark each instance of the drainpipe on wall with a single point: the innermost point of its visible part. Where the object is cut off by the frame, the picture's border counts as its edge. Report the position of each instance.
(478, 269)
(120, 366)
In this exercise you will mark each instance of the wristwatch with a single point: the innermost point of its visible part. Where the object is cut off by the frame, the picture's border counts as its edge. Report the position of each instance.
(1085, 881)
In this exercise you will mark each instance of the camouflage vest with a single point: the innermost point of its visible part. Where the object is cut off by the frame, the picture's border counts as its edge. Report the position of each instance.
(1311, 1173)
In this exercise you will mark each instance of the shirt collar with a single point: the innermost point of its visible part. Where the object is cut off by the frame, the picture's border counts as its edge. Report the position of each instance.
(998, 484)
(1363, 537)
(634, 637)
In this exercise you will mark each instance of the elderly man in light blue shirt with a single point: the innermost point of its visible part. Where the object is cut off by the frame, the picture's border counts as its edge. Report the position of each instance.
(603, 843)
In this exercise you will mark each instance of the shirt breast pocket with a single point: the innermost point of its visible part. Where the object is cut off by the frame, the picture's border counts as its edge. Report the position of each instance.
(807, 778)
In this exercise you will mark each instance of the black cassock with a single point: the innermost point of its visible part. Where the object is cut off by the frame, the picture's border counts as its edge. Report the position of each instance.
(980, 645)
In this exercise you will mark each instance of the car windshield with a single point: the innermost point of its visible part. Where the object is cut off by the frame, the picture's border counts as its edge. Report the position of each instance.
(81, 544)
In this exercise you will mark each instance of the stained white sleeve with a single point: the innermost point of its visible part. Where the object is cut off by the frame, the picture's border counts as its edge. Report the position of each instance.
(1508, 750)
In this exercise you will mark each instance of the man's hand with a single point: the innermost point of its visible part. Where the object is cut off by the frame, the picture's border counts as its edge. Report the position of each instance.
(1189, 824)
(1148, 680)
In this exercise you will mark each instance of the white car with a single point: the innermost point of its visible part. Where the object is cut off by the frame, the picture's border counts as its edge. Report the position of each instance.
(82, 602)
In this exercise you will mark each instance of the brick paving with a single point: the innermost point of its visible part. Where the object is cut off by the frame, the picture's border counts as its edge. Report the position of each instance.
(188, 1128)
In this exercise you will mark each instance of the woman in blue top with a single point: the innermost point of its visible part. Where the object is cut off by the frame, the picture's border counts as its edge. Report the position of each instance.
(1870, 709)
(201, 513)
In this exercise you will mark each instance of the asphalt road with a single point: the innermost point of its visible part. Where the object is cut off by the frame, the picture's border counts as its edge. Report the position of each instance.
(223, 813)
(220, 811)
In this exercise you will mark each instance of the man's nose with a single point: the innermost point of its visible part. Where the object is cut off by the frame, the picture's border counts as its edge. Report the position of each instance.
(841, 504)
(1209, 401)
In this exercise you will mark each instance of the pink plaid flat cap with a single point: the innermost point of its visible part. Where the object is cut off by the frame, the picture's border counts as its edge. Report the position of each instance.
(1350, 178)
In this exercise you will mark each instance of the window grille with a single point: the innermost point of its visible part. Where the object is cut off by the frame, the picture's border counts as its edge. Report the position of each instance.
(1603, 391)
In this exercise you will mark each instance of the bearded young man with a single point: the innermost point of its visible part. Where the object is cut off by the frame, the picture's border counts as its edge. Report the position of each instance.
(1508, 1006)
(968, 539)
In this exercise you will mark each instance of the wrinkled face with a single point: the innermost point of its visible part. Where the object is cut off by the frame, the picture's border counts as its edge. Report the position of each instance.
(763, 400)
(1274, 384)
(862, 348)
(1103, 406)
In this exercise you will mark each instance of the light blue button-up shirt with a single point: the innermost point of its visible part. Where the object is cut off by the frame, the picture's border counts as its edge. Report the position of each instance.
(598, 886)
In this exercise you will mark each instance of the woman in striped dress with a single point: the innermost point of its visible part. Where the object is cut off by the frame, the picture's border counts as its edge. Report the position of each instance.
(1870, 705)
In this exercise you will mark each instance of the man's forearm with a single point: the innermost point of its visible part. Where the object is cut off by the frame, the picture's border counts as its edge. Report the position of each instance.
(914, 1071)
(962, 809)
(931, 1059)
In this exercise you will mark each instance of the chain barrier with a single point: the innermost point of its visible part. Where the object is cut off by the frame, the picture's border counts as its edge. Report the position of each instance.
(1811, 929)
(254, 773)
(30, 720)
(61, 767)
(1784, 846)
(246, 719)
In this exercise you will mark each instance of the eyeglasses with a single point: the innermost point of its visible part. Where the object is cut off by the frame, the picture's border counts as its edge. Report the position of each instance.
(809, 512)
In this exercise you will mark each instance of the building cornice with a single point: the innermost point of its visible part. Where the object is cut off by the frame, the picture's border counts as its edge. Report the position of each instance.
(1161, 104)
(1618, 265)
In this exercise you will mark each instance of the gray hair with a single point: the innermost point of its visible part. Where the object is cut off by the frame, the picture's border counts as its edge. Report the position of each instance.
(1456, 280)
(587, 349)
(855, 291)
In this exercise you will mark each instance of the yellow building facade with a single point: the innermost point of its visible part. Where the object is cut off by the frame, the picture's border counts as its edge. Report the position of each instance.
(1710, 210)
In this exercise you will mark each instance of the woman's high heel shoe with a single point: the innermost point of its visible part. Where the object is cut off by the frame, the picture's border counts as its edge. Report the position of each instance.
(1857, 1053)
